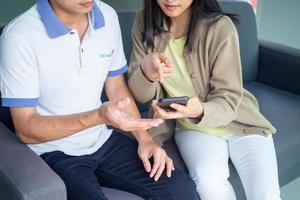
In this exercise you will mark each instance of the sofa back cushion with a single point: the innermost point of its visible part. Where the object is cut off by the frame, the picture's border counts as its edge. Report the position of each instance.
(247, 31)
(126, 21)
(5, 118)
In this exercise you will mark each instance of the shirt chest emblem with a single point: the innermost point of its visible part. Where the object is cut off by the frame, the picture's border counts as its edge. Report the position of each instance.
(107, 55)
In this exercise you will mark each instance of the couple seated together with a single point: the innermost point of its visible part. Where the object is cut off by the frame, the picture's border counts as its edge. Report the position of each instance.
(58, 56)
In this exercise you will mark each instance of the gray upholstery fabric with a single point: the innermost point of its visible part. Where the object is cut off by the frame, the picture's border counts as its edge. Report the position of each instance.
(23, 174)
(283, 110)
(247, 36)
(126, 20)
(275, 64)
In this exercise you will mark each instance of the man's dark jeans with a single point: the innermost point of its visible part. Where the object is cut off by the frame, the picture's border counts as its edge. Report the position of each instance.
(116, 165)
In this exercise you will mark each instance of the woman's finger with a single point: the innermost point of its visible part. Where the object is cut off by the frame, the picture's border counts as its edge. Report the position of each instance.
(166, 70)
(178, 107)
(161, 75)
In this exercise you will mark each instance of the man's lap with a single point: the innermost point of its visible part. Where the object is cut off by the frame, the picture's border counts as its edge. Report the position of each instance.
(116, 164)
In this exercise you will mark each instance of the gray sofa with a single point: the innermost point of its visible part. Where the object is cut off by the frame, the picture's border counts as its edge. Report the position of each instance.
(270, 71)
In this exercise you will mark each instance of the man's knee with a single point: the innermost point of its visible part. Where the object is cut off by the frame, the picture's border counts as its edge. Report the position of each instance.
(182, 186)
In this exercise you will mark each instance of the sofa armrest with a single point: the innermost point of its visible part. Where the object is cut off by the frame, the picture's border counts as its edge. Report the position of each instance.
(23, 174)
(279, 66)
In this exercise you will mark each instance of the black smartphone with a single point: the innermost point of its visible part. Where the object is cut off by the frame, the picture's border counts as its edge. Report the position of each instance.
(165, 103)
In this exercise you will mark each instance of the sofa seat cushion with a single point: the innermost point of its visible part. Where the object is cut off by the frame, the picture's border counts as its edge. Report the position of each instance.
(283, 110)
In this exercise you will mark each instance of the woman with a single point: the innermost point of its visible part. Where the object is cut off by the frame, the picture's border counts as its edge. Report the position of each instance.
(190, 48)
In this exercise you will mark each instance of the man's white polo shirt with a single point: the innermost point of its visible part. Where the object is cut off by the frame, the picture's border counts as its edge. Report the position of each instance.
(43, 64)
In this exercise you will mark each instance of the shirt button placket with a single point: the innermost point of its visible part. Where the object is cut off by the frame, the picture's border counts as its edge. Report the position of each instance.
(76, 41)
(82, 60)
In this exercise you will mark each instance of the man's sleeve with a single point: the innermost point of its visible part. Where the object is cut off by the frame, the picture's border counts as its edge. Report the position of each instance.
(19, 78)
(119, 64)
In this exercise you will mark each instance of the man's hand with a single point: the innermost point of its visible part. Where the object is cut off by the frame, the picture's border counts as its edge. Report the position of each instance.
(193, 109)
(112, 113)
(122, 114)
(156, 66)
(149, 149)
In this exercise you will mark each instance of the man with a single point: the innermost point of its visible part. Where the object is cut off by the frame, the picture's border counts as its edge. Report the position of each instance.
(55, 60)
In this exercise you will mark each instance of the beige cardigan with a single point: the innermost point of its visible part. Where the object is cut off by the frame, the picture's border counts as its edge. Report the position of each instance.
(215, 69)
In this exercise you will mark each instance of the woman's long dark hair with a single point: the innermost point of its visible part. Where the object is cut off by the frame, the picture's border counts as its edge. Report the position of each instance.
(201, 9)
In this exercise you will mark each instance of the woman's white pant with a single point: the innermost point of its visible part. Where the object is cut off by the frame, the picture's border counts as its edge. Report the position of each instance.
(207, 156)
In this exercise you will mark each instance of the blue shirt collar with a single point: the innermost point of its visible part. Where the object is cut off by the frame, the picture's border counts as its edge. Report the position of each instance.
(55, 27)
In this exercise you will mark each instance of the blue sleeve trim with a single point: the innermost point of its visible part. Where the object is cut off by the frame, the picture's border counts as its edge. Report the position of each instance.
(117, 72)
(18, 102)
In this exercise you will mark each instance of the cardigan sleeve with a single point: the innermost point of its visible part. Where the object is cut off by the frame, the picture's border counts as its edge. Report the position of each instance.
(226, 86)
(142, 89)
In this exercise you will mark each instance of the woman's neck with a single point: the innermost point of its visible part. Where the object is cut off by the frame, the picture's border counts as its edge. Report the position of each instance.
(180, 25)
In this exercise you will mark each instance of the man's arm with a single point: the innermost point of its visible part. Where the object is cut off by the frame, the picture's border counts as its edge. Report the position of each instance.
(33, 128)
(116, 89)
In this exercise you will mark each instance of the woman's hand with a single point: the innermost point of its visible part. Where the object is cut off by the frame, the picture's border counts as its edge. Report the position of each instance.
(193, 109)
(156, 67)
